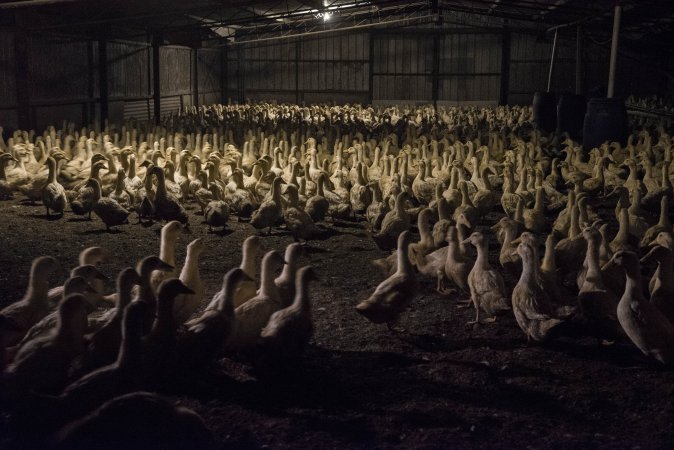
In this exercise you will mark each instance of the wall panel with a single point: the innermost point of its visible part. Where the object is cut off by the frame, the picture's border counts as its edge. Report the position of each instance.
(7, 70)
(129, 69)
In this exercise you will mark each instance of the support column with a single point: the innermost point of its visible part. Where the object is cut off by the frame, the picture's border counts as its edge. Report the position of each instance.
(435, 87)
(223, 75)
(552, 58)
(22, 75)
(194, 76)
(371, 71)
(505, 68)
(103, 79)
(298, 50)
(156, 79)
(579, 59)
(614, 51)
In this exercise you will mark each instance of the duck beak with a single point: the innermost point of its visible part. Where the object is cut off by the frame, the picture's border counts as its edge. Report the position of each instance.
(90, 290)
(516, 241)
(653, 243)
(647, 256)
(466, 241)
(495, 227)
(164, 267)
(186, 290)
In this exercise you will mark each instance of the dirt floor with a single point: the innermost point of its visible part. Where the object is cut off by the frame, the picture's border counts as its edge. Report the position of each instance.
(441, 384)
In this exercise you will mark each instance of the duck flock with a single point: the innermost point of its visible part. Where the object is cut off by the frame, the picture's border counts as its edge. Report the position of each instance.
(576, 230)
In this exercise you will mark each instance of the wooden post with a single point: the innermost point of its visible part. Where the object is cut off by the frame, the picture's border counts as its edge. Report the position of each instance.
(22, 73)
(371, 73)
(223, 75)
(435, 89)
(552, 58)
(579, 59)
(156, 77)
(194, 76)
(103, 79)
(614, 50)
(505, 68)
(298, 49)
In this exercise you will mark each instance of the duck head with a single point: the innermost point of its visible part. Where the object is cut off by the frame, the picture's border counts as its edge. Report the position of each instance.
(43, 266)
(92, 255)
(89, 272)
(629, 261)
(657, 253)
(77, 285)
(150, 263)
(475, 239)
(664, 239)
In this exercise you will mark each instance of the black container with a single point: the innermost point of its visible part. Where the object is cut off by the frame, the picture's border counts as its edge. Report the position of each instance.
(605, 120)
(545, 111)
(571, 115)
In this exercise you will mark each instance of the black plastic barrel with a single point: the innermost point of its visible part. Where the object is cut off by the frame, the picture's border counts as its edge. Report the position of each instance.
(545, 111)
(605, 120)
(571, 115)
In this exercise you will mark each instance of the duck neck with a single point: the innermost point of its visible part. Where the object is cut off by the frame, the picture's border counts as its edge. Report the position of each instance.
(167, 248)
(425, 230)
(481, 260)
(404, 266)
(530, 272)
(624, 226)
(248, 262)
(190, 270)
(592, 260)
(51, 178)
(38, 287)
(267, 286)
(119, 185)
(633, 286)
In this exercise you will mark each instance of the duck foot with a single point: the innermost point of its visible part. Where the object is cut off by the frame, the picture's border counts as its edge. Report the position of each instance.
(464, 303)
(606, 342)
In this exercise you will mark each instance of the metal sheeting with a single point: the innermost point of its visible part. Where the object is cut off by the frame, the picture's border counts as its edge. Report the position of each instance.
(469, 68)
(7, 69)
(58, 69)
(175, 64)
(209, 69)
(128, 70)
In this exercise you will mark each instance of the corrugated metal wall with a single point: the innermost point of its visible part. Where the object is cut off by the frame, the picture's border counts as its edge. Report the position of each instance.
(63, 79)
(8, 114)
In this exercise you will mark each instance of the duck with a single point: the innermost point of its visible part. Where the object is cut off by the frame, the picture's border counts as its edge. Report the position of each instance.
(317, 206)
(124, 375)
(360, 196)
(570, 251)
(531, 305)
(298, 221)
(160, 344)
(242, 201)
(624, 239)
(508, 261)
(86, 196)
(456, 267)
(486, 285)
(393, 295)
(6, 188)
(289, 330)
(185, 305)
(423, 188)
(285, 283)
(597, 304)
(534, 219)
(167, 207)
(485, 198)
(167, 253)
(663, 224)
(466, 207)
(426, 244)
(377, 209)
(216, 212)
(443, 224)
(42, 365)
(106, 208)
(648, 329)
(206, 335)
(148, 269)
(120, 194)
(253, 315)
(165, 425)
(53, 194)
(105, 341)
(661, 285)
(18, 317)
(270, 210)
(76, 284)
(394, 223)
(94, 256)
(144, 197)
